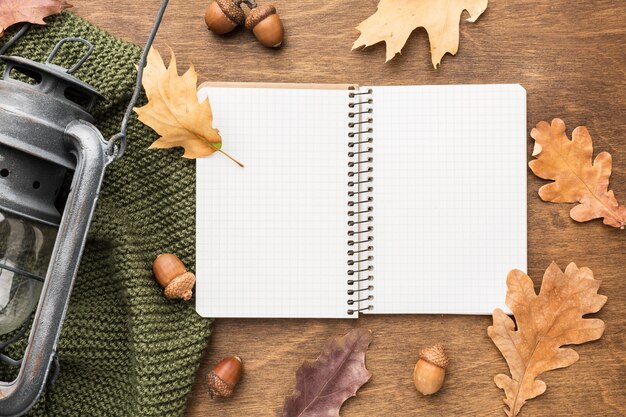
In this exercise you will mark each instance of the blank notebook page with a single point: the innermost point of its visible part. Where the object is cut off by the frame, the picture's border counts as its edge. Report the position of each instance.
(271, 237)
(449, 197)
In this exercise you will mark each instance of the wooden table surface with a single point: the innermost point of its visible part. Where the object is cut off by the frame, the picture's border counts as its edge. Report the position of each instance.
(568, 55)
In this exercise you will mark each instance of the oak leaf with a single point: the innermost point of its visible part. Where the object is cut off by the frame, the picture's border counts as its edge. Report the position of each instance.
(576, 177)
(545, 323)
(323, 385)
(174, 112)
(395, 20)
(33, 11)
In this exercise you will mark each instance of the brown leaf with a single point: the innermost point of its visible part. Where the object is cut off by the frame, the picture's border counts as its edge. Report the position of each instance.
(395, 20)
(33, 11)
(174, 112)
(576, 178)
(545, 322)
(324, 384)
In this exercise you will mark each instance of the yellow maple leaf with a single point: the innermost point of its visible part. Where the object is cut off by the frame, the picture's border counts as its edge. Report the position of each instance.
(576, 177)
(32, 11)
(395, 20)
(545, 323)
(174, 112)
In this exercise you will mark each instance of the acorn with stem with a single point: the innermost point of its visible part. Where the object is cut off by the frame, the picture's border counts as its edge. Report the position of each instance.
(223, 16)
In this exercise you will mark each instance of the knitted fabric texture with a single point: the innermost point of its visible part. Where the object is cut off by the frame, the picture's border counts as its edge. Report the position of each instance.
(125, 350)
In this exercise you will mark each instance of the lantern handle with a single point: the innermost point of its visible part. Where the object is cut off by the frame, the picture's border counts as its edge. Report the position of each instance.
(15, 38)
(118, 142)
(82, 60)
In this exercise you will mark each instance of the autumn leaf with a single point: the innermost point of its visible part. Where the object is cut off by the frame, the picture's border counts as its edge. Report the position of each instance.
(174, 112)
(395, 20)
(33, 11)
(323, 385)
(545, 322)
(576, 177)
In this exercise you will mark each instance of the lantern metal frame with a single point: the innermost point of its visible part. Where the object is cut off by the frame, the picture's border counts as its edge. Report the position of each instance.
(90, 148)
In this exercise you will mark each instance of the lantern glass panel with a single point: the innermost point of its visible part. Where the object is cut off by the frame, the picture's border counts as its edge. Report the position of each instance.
(25, 251)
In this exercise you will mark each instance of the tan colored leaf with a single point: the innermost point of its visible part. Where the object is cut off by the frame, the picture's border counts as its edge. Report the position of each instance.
(173, 110)
(323, 385)
(576, 177)
(395, 20)
(545, 323)
(33, 11)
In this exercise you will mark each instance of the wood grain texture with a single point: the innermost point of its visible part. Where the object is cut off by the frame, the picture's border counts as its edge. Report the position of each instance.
(568, 55)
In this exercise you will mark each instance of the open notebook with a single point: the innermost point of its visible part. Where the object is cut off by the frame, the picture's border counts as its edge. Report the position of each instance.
(361, 199)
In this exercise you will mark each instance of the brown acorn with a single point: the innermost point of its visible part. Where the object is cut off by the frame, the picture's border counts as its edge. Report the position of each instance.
(430, 370)
(223, 378)
(222, 16)
(171, 273)
(266, 26)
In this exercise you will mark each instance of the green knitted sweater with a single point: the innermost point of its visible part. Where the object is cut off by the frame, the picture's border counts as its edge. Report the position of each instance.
(125, 350)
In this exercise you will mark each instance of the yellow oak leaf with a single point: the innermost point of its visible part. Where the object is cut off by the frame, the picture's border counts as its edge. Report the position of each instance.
(545, 323)
(32, 11)
(576, 177)
(174, 112)
(395, 20)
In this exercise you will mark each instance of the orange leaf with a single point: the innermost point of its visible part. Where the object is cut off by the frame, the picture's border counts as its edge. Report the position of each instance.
(33, 11)
(576, 177)
(545, 322)
(173, 110)
(395, 20)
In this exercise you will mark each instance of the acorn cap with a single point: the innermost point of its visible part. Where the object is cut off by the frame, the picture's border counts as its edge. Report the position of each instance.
(181, 287)
(435, 355)
(223, 378)
(218, 387)
(259, 14)
(232, 11)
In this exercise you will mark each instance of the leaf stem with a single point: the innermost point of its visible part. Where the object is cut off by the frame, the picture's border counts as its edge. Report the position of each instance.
(230, 157)
(222, 152)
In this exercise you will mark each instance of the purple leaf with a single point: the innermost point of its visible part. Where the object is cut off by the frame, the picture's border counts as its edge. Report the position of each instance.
(323, 385)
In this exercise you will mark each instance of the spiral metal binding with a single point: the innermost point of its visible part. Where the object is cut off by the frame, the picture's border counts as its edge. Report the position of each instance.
(360, 206)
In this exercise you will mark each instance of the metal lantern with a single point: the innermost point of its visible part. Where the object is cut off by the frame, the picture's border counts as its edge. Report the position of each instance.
(47, 141)
(45, 135)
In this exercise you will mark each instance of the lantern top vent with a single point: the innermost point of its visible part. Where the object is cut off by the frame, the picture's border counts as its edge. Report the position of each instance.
(39, 100)
(53, 79)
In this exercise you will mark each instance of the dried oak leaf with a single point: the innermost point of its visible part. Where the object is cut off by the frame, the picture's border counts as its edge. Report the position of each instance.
(33, 11)
(545, 322)
(576, 178)
(324, 384)
(395, 20)
(174, 112)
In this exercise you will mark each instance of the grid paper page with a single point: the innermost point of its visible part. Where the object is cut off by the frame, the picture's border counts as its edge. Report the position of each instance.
(449, 197)
(271, 237)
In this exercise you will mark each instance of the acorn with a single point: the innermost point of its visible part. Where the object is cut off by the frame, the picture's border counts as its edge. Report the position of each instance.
(223, 378)
(266, 26)
(171, 273)
(430, 370)
(222, 16)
